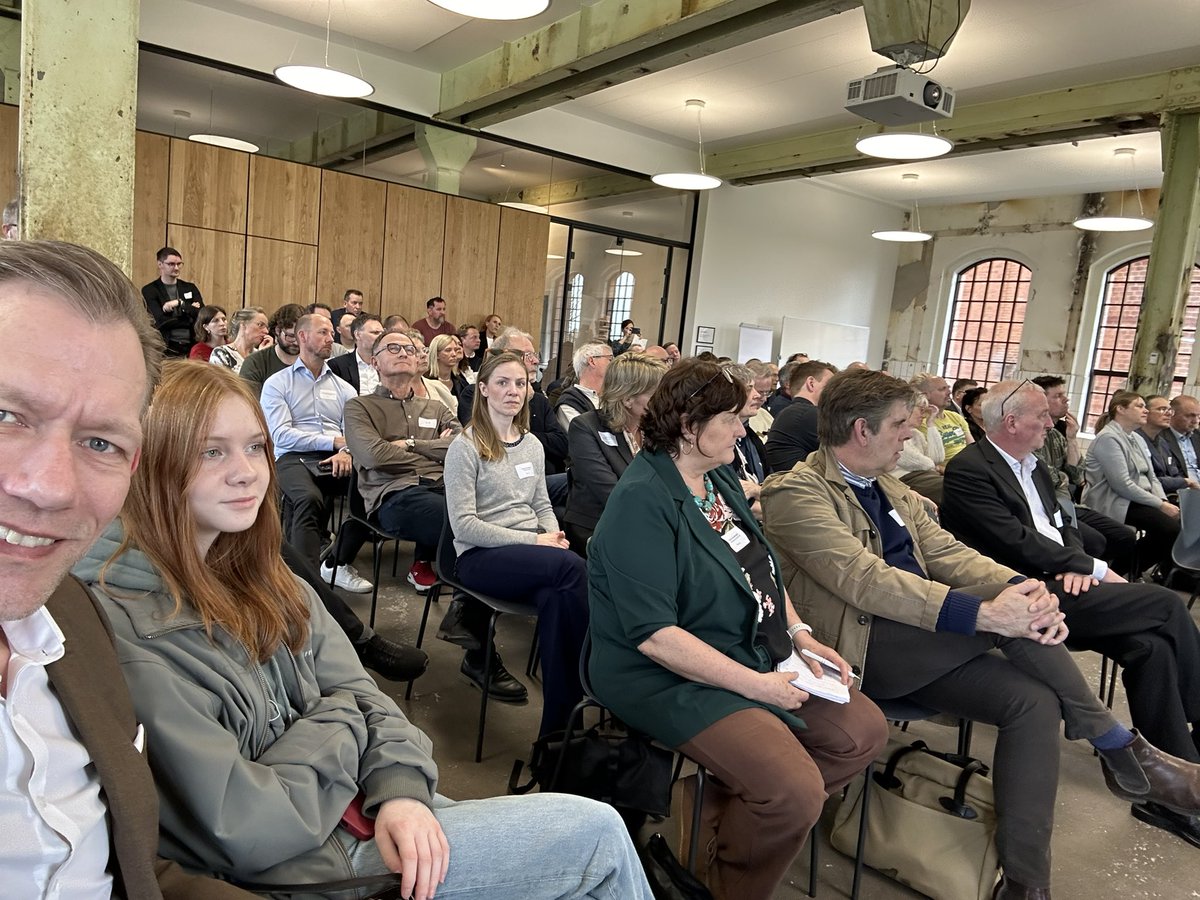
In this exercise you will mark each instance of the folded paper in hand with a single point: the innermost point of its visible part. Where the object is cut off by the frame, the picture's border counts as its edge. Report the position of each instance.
(829, 686)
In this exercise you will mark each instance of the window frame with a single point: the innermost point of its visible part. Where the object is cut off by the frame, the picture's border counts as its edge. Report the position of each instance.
(969, 297)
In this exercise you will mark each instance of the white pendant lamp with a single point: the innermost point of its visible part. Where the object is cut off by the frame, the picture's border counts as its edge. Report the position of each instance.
(324, 79)
(221, 140)
(618, 249)
(494, 9)
(912, 234)
(903, 145)
(690, 181)
(1119, 222)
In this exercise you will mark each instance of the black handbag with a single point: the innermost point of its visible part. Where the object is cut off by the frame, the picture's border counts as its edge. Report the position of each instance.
(622, 769)
(669, 880)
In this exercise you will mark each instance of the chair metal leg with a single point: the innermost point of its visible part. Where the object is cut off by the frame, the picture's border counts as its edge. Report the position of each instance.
(965, 727)
(868, 776)
(376, 559)
(812, 862)
(429, 600)
(697, 816)
(535, 655)
(488, 653)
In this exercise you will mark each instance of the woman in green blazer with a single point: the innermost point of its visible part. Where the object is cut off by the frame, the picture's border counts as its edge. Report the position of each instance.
(690, 620)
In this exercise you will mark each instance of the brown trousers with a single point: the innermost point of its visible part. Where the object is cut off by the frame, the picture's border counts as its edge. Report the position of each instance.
(769, 784)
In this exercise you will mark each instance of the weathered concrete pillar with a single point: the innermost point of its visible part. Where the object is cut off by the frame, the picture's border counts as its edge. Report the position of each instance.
(446, 153)
(1172, 255)
(78, 99)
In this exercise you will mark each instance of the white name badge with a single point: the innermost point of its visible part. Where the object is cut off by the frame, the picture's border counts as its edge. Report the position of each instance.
(896, 518)
(607, 437)
(735, 538)
(1058, 523)
(187, 296)
(139, 738)
(427, 423)
(525, 470)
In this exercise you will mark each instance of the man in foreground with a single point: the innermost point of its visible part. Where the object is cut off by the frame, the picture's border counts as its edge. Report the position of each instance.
(78, 807)
(999, 497)
(877, 578)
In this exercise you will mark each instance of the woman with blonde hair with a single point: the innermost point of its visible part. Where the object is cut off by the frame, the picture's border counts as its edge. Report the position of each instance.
(508, 541)
(274, 749)
(604, 442)
(445, 354)
(249, 330)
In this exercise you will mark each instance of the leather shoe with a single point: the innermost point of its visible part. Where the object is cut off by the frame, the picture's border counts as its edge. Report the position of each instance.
(391, 660)
(454, 631)
(1007, 889)
(503, 686)
(1141, 773)
(1186, 827)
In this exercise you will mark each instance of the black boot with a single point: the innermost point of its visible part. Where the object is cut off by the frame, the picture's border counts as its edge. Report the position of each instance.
(502, 686)
(455, 627)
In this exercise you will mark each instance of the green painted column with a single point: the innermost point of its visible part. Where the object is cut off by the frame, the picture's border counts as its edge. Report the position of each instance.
(75, 161)
(1172, 255)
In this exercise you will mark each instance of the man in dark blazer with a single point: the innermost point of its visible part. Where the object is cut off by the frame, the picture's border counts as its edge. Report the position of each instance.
(1165, 458)
(1181, 437)
(793, 434)
(87, 813)
(1000, 499)
(173, 303)
(356, 367)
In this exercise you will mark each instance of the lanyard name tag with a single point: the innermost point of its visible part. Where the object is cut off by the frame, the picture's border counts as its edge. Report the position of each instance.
(525, 470)
(607, 437)
(896, 518)
(735, 538)
(427, 423)
(1058, 519)
(187, 296)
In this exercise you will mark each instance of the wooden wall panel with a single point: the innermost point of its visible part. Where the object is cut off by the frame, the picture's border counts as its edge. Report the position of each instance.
(350, 252)
(469, 260)
(521, 268)
(285, 200)
(412, 250)
(9, 130)
(279, 272)
(150, 178)
(208, 186)
(215, 261)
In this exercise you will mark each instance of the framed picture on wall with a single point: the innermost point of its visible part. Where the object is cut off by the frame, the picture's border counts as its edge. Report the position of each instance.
(706, 334)
(704, 348)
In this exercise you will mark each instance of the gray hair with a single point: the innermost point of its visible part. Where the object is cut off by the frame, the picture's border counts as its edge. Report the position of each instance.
(242, 317)
(583, 353)
(738, 372)
(1012, 396)
(507, 336)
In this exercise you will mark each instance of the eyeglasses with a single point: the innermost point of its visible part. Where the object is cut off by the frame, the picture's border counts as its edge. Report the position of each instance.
(1010, 395)
(530, 354)
(397, 349)
(721, 371)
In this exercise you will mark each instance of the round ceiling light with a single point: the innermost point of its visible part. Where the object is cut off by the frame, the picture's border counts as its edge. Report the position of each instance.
(220, 140)
(621, 251)
(903, 236)
(325, 81)
(687, 181)
(1113, 223)
(903, 145)
(494, 9)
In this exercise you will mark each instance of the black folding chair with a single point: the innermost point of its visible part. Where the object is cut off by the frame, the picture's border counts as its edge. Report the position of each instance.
(444, 566)
(355, 510)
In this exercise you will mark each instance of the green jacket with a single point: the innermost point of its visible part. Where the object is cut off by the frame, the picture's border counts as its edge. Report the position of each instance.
(654, 561)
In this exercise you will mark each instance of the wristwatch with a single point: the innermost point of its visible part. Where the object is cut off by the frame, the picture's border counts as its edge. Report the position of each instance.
(409, 444)
(796, 629)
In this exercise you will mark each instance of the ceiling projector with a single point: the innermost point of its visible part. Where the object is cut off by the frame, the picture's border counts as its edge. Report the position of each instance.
(895, 95)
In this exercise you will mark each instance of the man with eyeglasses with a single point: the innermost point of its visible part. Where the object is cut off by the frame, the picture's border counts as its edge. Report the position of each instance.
(173, 303)
(262, 364)
(1169, 466)
(1000, 499)
(590, 362)
(398, 443)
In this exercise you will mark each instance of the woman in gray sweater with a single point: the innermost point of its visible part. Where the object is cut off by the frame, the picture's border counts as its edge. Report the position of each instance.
(508, 541)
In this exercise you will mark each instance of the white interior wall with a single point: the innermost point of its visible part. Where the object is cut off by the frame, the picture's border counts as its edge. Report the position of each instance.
(792, 248)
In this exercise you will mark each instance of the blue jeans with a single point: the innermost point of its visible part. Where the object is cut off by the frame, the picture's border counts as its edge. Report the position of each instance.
(415, 514)
(536, 847)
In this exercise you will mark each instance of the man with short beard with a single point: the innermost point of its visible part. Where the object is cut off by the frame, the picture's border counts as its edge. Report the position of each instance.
(262, 364)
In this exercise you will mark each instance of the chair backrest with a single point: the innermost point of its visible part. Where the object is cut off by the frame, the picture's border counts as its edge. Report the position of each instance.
(445, 563)
(354, 500)
(1186, 550)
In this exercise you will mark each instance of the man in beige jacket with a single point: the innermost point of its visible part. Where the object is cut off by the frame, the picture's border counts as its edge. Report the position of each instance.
(877, 578)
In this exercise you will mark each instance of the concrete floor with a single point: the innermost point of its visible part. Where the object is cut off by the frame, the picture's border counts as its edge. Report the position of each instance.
(1100, 850)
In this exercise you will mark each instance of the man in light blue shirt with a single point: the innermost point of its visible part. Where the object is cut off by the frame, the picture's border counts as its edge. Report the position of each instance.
(303, 405)
(1185, 416)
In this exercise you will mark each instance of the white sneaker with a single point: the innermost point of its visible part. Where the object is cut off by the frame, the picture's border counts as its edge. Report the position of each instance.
(347, 578)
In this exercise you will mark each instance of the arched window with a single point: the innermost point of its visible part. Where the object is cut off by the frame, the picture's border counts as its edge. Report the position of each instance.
(620, 302)
(1119, 314)
(984, 338)
(574, 306)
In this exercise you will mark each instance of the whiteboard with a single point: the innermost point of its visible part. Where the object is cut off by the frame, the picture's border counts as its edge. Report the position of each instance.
(755, 342)
(826, 341)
